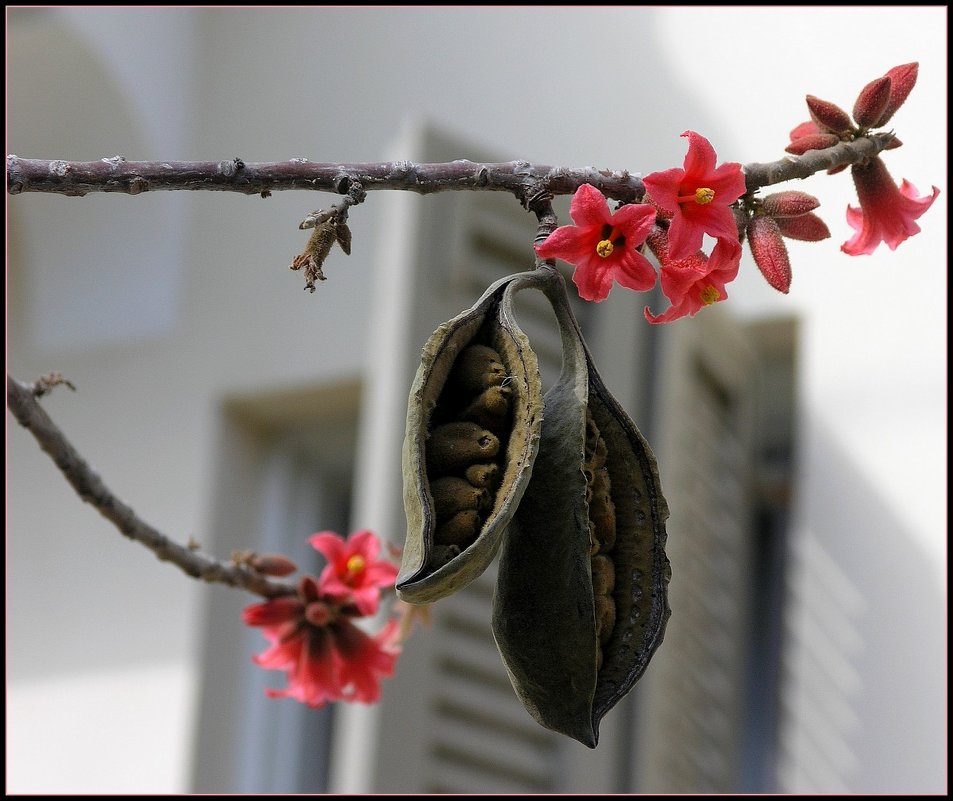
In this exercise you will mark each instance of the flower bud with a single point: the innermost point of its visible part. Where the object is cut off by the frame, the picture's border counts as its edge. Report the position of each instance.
(902, 80)
(272, 564)
(828, 116)
(819, 141)
(872, 102)
(806, 228)
(789, 204)
(770, 252)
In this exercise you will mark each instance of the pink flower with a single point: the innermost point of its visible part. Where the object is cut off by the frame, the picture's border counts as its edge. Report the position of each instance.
(697, 196)
(326, 657)
(887, 213)
(353, 572)
(603, 245)
(694, 282)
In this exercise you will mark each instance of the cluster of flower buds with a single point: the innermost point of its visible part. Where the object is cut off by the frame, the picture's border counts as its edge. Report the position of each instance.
(682, 205)
(887, 213)
(781, 214)
(313, 635)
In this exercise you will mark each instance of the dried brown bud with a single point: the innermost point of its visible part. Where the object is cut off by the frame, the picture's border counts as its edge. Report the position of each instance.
(327, 231)
(343, 235)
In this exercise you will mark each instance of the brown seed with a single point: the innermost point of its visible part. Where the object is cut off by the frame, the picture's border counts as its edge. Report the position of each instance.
(453, 447)
(602, 516)
(477, 368)
(489, 409)
(460, 530)
(485, 476)
(605, 618)
(603, 575)
(452, 495)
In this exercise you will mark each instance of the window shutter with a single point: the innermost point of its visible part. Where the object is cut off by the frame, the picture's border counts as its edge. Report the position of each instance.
(285, 464)
(692, 702)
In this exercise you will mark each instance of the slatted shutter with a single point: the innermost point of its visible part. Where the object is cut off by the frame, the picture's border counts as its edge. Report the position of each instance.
(695, 710)
(285, 470)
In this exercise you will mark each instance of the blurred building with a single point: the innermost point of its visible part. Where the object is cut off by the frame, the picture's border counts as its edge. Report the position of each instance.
(806, 649)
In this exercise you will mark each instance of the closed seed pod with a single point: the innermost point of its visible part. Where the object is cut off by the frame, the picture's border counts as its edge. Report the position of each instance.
(474, 415)
(565, 577)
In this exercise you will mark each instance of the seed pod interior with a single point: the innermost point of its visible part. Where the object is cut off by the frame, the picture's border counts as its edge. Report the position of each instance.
(472, 432)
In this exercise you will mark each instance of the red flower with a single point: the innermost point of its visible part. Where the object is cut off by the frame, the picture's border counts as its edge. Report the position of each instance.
(694, 282)
(887, 213)
(327, 658)
(353, 572)
(603, 245)
(698, 197)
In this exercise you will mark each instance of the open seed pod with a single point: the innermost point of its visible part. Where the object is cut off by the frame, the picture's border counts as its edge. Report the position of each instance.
(473, 423)
(581, 598)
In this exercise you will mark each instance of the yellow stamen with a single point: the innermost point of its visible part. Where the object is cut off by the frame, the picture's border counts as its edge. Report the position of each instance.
(605, 248)
(355, 564)
(709, 295)
(704, 195)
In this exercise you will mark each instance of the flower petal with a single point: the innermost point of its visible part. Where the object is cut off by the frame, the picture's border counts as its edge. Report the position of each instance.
(593, 280)
(701, 157)
(663, 187)
(330, 544)
(887, 213)
(635, 272)
(569, 243)
(272, 612)
(589, 206)
(364, 543)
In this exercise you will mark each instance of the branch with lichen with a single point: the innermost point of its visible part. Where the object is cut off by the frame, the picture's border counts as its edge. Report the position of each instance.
(240, 572)
(520, 178)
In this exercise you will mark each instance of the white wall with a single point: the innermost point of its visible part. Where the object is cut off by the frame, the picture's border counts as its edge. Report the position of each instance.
(867, 621)
(159, 306)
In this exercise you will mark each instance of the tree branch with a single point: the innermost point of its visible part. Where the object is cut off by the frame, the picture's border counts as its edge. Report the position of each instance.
(791, 167)
(522, 179)
(21, 400)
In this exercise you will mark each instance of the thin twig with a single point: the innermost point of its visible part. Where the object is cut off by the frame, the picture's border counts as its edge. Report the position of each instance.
(21, 399)
(522, 179)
